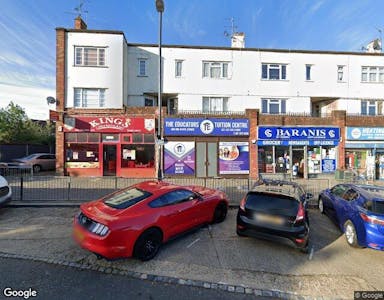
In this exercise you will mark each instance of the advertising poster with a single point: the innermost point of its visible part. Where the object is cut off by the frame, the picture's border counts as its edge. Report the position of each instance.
(328, 165)
(233, 158)
(179, 158)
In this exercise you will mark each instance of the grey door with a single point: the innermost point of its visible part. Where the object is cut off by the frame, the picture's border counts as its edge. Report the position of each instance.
(206, 159)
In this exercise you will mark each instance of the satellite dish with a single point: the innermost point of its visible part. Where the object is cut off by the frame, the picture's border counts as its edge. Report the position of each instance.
(51, 100)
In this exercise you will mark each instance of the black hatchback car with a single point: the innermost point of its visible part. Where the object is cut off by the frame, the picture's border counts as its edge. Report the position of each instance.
(277, 210)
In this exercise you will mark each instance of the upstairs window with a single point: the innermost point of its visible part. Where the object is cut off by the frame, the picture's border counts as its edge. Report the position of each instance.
(178, 68)
(340, 73)
(214, 69)
(89, 98)
(368, 107)
(90, 56)
(372, 74)
(142, 65)
(273, 106)
(274, 71)
(215, 104)
(308, 69)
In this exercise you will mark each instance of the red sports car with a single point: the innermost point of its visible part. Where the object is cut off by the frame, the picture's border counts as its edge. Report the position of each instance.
(135, 221)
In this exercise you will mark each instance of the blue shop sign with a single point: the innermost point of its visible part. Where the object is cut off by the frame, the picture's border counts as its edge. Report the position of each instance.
(298, 136)
(201, 126)
(365, 133)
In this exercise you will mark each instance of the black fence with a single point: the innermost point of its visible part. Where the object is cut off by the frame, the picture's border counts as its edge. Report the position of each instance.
(9, 152)
(82, 189)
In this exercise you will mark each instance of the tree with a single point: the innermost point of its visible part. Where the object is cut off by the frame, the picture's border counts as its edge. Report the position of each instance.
(16, 127)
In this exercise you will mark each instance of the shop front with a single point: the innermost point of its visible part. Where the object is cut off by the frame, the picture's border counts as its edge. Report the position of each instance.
(297, 151)
(364, 151)
(109, 146)
(206, 147)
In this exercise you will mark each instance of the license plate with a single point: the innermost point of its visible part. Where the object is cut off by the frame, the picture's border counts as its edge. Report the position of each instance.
(269, 219)
(78, 234)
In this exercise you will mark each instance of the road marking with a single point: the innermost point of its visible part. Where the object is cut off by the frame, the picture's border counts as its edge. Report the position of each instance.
(194, 242)
(311, 253)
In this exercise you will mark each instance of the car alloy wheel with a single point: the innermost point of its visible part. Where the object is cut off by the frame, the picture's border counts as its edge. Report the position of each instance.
(220, 213)
(36, 168)
(148, 244)
(350, 234)
(321, 205)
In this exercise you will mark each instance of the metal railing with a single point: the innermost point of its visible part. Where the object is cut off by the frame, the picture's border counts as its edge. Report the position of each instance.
(83, 189)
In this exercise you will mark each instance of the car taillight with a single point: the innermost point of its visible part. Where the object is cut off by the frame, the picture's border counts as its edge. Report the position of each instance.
(300, 213)
(99, 229)
(242, 204)
(372, 220)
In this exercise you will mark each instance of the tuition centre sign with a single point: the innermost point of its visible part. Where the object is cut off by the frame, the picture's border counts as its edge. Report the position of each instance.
(203, 127)
(179, 158)
(286, 136)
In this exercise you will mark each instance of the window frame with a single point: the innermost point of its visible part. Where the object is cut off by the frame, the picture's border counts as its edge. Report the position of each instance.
(372, 74)
(179, 71)
(224, 104)
(209, 66)
(83, 103)
(308, 72)
(281, 102)
(369, 104)
(266, 69)
(139, 67)
(79, 53)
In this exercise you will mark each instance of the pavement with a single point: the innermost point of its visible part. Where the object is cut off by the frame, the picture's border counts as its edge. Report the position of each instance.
(213, 257)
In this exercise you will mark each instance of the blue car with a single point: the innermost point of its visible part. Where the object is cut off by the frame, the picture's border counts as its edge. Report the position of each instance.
(358, 210)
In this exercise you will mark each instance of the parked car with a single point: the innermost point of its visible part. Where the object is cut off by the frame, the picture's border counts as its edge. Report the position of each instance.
(37, 161)
(135, 221)
(5, 191)
(358, 210)
(277, 210)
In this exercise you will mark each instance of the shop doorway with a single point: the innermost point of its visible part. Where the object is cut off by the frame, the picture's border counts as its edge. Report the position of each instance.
(298, 162)
(206, 159)
(109, 160)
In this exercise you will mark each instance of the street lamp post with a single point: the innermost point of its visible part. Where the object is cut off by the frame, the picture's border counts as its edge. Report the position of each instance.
(160, 10)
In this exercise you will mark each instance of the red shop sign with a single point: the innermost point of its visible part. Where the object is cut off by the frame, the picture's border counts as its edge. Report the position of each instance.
(109, 124)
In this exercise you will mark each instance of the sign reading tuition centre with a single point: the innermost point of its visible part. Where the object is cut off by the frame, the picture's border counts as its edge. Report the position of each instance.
(287, 136)
(202, 127)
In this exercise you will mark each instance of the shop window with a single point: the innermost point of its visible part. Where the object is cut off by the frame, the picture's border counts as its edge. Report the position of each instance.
(82, 155)
(127, 138)
(137, 156)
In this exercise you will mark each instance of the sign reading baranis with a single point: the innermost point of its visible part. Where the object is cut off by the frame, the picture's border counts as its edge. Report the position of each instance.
(212, 126)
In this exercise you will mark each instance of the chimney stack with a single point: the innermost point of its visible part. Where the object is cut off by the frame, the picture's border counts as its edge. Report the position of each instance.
(238, 40)
(80, 24)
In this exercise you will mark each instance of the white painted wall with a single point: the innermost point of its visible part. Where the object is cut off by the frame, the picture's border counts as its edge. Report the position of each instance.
(245, 88)
(110, 77)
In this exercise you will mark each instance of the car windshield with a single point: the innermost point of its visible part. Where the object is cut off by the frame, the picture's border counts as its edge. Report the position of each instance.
(126, 198)
(378, 207)
(272, 203)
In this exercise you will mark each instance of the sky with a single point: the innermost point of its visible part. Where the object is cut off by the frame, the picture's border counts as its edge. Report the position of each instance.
(28, 36)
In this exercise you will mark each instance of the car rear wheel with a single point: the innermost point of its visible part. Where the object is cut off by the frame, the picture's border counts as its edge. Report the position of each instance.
(36, 168)
(321, 205)
(350, 234)
(148, 244)
(220, 213)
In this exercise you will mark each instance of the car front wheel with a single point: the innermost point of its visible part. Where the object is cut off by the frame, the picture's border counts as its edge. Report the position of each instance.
(36, 168)
(148, 244)
(350, 234)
